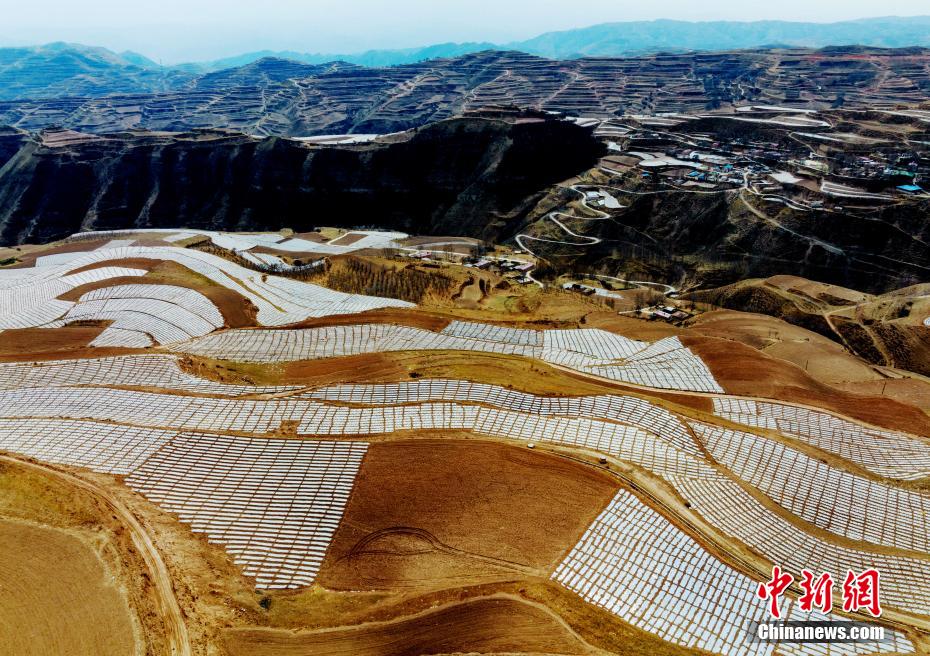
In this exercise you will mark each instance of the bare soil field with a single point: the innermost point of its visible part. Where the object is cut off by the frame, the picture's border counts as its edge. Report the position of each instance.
(59, 597)
(648, 331)
(445, 241)
(311, 236)
(348, 239)
(430, 513)
(746, 372)
(28, 254)
(492, 625)
(27, 344)
(822, 358)
(822, 292)
(313, 609)
(109, 587)
(399, 316)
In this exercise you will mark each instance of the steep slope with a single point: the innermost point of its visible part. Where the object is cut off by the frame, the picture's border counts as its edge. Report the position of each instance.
(463, 176)
(716, 238)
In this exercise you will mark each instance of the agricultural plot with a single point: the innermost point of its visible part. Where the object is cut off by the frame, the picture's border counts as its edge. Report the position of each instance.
(598, 344)
(163, 312)
(636, 564)
(149, 370)
(191, 300)
(172, 411)
(490, 333)
(113, 337)
(886, 453)
(624, 409)
(64, 258)
(243, 242)
(273, 504)
(184, 413)
(29, 300)
(102, 447)
(335, 341)
(628, 443)
(834, 500)
(666, 364)
(726, 505)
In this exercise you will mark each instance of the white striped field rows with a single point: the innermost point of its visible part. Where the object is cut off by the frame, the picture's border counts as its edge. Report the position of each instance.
(628, 409)
(664, 364)
(27, 296)
(886, 453)
(29, 299)
(675, 454)
(242, 242)
(102, 447)
(273, 504)
(834, 500)
(726, 505)
(148, 370)
(164, 312)
(636, 564)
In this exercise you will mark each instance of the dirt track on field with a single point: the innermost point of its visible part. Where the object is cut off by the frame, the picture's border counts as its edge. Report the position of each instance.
(491, 625)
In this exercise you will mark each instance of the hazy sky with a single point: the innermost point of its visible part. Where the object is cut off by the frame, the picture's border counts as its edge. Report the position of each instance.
(187, 30)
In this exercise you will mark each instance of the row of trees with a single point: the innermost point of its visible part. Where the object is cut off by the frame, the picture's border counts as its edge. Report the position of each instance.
(355, 276)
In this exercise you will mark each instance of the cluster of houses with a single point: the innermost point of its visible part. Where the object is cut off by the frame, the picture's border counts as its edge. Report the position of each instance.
(515, 270)
(667, 313)
(701, 160)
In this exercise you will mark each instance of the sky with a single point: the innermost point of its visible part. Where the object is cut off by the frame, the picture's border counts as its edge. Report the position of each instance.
(173, 31)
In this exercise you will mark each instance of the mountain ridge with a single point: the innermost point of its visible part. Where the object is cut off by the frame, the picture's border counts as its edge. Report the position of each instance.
(286, 98)
(44, 70)
(651, 37)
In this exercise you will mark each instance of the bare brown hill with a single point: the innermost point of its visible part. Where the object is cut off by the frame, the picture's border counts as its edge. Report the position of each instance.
(885, 330)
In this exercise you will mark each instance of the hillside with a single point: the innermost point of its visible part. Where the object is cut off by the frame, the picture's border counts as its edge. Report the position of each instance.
(64, 69)
(886, 330)
(280, 97)
(464, 176)
(341, 473)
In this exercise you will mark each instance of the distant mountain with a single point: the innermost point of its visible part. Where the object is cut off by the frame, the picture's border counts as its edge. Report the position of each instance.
(65, 69)
(645, 37)
(368, 58)
(267, 71)
(615, 39)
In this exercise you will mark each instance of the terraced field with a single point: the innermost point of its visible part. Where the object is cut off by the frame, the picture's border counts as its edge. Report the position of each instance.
(612, 497)
(279, 97)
